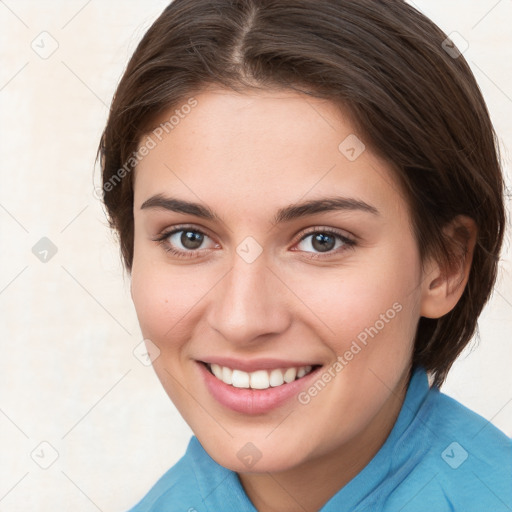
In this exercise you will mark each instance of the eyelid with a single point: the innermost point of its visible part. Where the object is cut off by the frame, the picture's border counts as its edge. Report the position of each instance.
(166, 233)
(324, 229)
(349, 241)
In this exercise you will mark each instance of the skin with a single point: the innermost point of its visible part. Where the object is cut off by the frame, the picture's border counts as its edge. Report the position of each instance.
(245, 156)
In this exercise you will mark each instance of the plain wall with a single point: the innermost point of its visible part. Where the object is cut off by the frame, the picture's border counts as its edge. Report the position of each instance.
(69, 377)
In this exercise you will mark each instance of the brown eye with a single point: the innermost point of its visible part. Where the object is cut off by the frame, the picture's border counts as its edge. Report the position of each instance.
(324, 241)
(185, 242)
(191, 239)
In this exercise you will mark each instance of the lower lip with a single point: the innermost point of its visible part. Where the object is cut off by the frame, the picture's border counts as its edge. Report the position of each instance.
(253, 401)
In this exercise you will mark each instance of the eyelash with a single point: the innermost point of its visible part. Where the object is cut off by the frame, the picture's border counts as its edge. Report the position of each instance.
(163, 240)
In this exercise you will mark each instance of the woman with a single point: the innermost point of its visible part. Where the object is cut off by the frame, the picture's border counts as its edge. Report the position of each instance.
(309, 200)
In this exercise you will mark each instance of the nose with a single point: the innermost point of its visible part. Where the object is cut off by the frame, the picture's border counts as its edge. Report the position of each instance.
(249, 303)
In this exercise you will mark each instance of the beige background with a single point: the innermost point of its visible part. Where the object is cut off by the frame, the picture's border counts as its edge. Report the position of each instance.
(69, 377)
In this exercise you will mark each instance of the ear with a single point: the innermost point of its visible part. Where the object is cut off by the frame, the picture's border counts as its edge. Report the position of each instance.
(443, 287)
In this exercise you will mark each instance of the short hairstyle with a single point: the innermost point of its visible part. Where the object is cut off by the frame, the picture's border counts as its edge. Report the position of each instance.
(407, 90)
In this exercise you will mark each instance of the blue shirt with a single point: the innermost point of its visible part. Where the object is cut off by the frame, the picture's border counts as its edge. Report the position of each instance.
(440, 456)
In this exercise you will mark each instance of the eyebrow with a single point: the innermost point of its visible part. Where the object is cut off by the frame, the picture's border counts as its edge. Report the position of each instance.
(285, 214)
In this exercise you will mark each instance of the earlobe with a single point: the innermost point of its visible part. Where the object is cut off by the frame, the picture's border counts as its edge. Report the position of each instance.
(443, 287)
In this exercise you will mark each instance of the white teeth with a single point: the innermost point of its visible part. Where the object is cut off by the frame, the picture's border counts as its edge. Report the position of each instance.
(217, 370)
(276, 378)
(240, 379)
(259, 379)
(290, 374)
(226, 375)
(303, 370)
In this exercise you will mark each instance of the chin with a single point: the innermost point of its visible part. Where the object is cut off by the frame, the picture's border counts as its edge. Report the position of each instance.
(243, 456)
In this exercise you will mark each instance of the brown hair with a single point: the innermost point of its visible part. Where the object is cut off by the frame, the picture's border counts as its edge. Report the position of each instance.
(412, 101)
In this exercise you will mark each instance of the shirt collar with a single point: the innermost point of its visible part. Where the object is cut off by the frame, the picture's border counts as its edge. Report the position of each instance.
(399, 452)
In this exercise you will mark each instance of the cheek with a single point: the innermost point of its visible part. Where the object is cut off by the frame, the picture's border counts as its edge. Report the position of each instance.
(170, 300)
(382, 315)
(374, 304)
(161, 299)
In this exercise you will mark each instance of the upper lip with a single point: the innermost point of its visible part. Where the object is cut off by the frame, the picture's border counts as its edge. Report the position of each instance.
(251, 365)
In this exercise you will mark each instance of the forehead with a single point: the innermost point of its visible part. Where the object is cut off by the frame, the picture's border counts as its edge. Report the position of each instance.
(262, 148)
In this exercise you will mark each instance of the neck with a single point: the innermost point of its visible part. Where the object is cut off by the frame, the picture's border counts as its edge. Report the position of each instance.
(310, 485)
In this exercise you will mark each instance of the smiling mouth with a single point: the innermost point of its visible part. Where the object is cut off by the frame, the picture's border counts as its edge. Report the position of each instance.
(259, 379)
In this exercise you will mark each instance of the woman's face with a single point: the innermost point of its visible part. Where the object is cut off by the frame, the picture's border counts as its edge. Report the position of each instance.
(296, 252)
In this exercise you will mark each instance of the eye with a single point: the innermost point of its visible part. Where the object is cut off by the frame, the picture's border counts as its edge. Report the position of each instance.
(325, 241)
(184, 241)
(188, 242)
